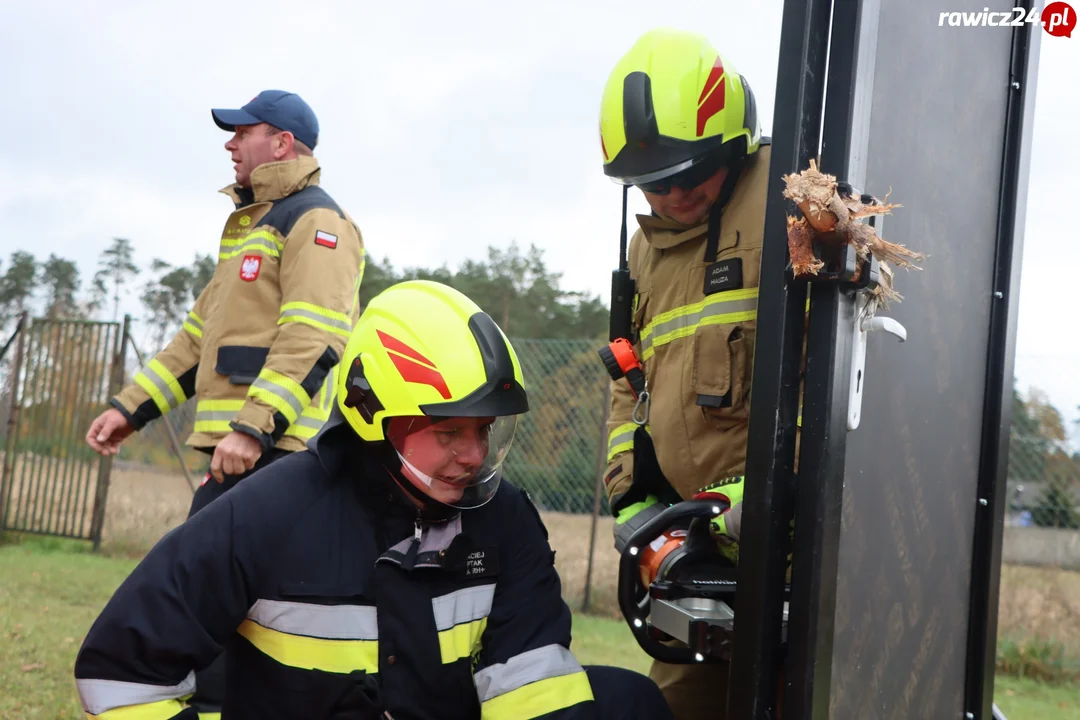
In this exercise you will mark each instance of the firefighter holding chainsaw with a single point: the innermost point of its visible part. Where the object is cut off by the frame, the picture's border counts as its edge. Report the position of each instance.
(681, 124)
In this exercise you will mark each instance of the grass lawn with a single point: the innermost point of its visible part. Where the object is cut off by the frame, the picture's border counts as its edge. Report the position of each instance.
(51, 590)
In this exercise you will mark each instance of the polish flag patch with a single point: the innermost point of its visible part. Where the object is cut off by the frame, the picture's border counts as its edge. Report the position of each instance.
(249, 267)
(325, 239)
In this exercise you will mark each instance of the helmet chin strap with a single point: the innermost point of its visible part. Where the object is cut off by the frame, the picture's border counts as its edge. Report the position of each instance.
(430, 509)
(420, 474)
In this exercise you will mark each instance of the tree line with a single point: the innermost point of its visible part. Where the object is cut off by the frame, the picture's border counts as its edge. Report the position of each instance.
(1044, 472)
(513, 285)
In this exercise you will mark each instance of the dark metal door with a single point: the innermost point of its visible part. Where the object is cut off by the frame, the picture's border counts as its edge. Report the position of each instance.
(898, 524)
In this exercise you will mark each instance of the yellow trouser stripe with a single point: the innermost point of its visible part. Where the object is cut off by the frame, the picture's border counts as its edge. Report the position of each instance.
(461, 641)
(151, 711)
(539, 698)
(311, 653)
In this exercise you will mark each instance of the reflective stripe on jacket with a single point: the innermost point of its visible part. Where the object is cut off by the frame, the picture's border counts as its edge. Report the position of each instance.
(697, 348)
(259, 348)
(310, 574)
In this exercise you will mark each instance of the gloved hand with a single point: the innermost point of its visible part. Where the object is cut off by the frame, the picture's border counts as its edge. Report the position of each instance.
(632, 517)
(726, 526)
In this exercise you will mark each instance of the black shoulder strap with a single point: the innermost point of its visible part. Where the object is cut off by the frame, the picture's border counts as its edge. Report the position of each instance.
(716, 214)
(286, 211)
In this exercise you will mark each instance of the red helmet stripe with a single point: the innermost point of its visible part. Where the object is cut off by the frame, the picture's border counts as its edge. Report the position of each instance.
(392, 343)
(710, 103)
(414, 372)
(408, 363)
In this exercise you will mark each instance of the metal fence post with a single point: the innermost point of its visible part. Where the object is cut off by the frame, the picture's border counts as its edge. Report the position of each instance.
(12, 421)
(597, 493)
(116, 380)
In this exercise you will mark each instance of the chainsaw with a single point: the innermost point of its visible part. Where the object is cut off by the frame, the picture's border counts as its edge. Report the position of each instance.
(674, 585)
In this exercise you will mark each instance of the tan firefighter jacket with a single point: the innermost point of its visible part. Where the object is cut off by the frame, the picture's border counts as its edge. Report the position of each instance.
(260, 348)
(697, 347)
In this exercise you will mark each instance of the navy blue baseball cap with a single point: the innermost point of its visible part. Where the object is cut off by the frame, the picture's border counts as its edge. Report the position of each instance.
(284, 110)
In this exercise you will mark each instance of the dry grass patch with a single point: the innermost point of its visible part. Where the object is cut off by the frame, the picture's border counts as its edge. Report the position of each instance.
(1040, 604)
(143, 505)
(1034, 602)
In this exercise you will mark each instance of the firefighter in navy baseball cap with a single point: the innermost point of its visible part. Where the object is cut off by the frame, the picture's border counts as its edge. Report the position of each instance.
(259, 349)
(285, 111)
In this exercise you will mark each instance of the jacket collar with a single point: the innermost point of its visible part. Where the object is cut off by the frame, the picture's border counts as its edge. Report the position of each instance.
(273, 181)
(663, 234)
(340, 452)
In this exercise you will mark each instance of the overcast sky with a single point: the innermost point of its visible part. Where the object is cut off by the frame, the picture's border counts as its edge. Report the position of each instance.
(445, 127)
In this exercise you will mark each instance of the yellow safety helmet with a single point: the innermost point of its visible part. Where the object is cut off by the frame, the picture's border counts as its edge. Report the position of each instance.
(426, 353)
(673, 104)
(423, 348)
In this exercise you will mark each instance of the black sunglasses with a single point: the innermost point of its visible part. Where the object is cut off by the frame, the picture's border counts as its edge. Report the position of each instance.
(687, 179)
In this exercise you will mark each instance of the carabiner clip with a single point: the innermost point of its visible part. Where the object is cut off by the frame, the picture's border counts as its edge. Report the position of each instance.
(643, 399)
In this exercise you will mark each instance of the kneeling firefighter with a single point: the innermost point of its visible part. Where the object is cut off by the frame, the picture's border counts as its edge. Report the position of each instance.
(386, 572)
(681, 124)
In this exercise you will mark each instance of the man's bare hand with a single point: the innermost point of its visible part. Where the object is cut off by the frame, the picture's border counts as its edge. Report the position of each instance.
(235, 455)
(108, 430)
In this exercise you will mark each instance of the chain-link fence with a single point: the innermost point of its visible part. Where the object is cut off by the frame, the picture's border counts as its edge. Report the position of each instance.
(558, 456)
(557, 451)
(1039, 600)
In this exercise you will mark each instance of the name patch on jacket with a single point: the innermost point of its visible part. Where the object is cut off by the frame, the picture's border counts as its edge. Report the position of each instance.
(481, 563)
(723, 275)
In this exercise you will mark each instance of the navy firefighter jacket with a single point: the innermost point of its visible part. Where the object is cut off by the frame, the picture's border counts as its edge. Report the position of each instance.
(311, 574)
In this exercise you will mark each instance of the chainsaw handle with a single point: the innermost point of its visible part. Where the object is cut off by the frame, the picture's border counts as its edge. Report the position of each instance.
(636, 612)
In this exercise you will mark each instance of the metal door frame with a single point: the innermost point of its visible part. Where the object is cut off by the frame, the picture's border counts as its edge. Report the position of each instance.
(846, 30)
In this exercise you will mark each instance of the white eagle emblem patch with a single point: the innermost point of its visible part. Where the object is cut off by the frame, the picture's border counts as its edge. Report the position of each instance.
(249, 268)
